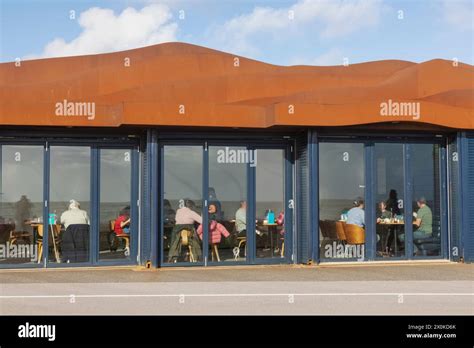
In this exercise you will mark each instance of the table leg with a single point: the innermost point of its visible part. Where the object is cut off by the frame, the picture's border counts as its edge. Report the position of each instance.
(395, 237)
(271, 230)
(56, 254)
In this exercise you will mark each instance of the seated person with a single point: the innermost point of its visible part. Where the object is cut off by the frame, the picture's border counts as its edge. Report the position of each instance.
(356, 215)
(423, 220)
(213, 212)
(74, 215)
(383, 213)
(75, 239)
(122, 223)
(241, 221)
(216, 230)
(185, 218)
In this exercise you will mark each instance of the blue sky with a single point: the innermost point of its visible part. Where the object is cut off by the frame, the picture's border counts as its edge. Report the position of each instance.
(316, 32)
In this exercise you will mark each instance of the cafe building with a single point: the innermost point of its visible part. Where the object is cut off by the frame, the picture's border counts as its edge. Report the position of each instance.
(179, 155)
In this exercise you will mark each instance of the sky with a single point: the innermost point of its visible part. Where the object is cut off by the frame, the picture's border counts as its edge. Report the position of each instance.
(282, 32)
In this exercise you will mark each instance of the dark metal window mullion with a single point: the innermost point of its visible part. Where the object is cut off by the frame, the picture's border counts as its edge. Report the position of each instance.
(408, 204)
(94, 238)
(46, 178)
(205, 204)
(314, 194)
(251, 205)
(369, 192)
(135, 204)
(444, 200)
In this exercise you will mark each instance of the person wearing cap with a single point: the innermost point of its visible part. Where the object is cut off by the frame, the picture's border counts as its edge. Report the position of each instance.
(356, 215)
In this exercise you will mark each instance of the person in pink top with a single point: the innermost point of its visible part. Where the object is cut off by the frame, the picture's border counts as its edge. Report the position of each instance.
(216, 230)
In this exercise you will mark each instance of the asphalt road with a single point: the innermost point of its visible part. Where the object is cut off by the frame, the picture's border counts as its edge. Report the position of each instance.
(430, 289)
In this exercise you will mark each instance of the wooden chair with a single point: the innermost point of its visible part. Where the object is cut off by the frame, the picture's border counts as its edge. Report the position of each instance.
(185, 236)
(15, 236)
(242, 241)
(125, 237)
(215, 252)
(354, 234)
(341, 235)
(52, 239)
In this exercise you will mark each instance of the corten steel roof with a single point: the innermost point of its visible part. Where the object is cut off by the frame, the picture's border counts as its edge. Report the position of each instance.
(213, 88)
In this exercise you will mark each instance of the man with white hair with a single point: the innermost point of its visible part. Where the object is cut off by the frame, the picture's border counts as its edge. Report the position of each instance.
(74, 215)
(75, 240)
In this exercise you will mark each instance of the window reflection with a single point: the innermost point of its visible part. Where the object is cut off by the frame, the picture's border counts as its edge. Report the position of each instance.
(69, 207)
(227, 203)
(182, 204)
(426, 200)
(21, 203)
(389, 161)
(115, 195)
(341, 203)
(270, 203)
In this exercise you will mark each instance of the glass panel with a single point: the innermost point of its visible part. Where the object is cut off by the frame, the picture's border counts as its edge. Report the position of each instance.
(389, 195)
(426, 199)
(21, 203)
(341, 208)
(115, 195)
(270, 203)
(228, 202)
(69, 205)
(182, 204)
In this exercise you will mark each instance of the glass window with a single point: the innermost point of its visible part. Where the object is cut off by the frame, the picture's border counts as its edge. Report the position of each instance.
(270, 203)
(228, 202)
(115, 197)
(69, 207)
(341, 205)
(389, 195)
(426, 199)
(21, 203)
(182, 203)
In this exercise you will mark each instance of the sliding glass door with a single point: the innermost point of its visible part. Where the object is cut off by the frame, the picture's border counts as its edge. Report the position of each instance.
(389, 199)
(273, 215)
(69, 204)
(21, 203)
(182, 204)
(245, 213)
(404, 189)
(341, 190)
(117, 231)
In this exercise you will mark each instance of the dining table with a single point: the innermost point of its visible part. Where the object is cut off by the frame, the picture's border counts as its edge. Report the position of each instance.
(51, 231)
(395, 227)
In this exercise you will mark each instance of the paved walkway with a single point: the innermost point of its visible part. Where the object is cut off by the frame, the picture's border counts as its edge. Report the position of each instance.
(360, 289)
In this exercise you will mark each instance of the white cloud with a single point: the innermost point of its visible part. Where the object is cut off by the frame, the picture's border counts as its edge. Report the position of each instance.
(104, 31)
(458, 14)
(333, 18)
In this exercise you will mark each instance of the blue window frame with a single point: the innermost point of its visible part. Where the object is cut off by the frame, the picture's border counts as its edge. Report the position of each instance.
(255, 143)
(368, 141)
(95, 145)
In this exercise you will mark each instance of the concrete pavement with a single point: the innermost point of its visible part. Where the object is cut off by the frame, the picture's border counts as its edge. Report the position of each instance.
(431, 289)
